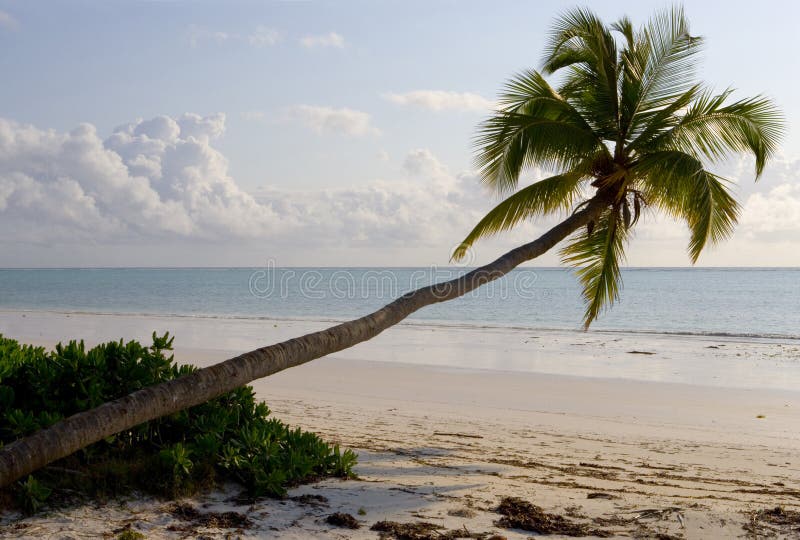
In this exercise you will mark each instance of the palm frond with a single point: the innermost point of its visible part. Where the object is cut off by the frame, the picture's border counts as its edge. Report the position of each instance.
(653, 123)
(597, 253)
(661, 65)
(529, 92)
(581, 42)
(713, 214)
(579, 36)
(625, 27)
(543, 131)
(595, 100)
(540, 198)
(714, 130)
(678, 184)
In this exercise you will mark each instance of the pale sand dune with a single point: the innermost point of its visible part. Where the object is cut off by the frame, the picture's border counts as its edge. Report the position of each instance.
(691, 461)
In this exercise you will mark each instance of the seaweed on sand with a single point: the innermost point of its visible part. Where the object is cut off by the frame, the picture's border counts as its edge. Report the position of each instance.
(422, 530)
(520, 514)
(778, 520)
(341, 519)
(212, 520)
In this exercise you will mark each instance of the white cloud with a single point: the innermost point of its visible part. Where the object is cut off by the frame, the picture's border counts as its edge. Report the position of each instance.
(262, 36)
(422, 162)
(424, 210)
(7, 21)
(159, 177)
(331, 39)
(160, 184)
(161, 180)
(774, 214)
(202, 128)
(442, 100)
(330, 120)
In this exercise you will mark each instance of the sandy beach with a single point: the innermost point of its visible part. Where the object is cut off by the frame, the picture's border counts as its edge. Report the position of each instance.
(585, 426)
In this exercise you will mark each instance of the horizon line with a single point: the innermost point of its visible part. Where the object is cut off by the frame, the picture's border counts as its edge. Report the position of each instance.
(360, 267)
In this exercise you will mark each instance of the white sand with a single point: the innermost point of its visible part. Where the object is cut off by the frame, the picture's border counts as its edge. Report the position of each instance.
(433, 438)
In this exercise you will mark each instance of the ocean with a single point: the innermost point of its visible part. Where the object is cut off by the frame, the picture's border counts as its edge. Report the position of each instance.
(751, 302)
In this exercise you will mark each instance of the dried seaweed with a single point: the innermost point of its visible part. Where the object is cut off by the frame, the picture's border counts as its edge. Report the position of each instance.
(766, 523)
(213, 520)
(422, 530)
(520, 514)
(341, 519)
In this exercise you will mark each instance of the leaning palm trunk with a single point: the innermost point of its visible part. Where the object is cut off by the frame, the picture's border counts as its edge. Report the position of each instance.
(63, 438)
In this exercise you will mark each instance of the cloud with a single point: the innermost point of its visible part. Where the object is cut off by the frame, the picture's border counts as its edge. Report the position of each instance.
(442, 100)
(422, 162)
(153, 178)
(773, 215)
(331, 39)
(7, 21)
(161, 180)
(160, 185)
(330, 120)
(262, 36)
(423, 210)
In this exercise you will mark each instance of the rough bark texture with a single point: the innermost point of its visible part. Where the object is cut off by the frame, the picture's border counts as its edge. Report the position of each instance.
(71, 434)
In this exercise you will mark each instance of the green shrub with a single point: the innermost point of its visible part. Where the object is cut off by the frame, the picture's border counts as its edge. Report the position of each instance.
(32, 495)
(130, 534)
(229, 438)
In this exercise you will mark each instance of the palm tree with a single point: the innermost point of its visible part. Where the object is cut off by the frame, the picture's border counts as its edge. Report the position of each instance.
(628, 124)
(629, 130)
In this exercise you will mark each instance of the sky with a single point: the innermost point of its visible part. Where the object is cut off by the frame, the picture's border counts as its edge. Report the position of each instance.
(304, 133)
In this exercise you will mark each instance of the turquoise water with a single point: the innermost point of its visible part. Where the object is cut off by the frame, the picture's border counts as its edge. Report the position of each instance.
(746, 302)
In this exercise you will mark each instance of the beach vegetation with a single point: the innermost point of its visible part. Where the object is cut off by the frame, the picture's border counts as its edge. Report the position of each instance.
(231, 438)
(130, 534)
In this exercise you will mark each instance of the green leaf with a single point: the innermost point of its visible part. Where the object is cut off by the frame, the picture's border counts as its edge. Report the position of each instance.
(536, 127)
(678, 184)
(713, 130)
(543, 197)
(597, 257)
